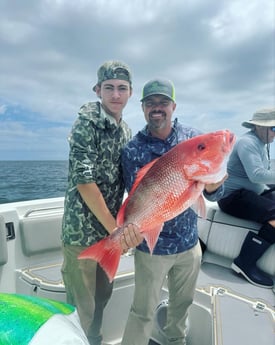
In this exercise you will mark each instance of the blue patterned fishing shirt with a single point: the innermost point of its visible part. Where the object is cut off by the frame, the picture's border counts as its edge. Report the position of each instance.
(180, 233)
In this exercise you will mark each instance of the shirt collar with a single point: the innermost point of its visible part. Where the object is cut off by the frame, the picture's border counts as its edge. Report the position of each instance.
(172, 138)
(110, 118)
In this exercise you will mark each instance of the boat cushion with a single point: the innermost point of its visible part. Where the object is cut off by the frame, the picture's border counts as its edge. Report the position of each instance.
(41, 234)
(224, 240)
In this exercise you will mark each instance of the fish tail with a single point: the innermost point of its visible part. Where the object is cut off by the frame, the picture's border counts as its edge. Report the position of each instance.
(107, 253)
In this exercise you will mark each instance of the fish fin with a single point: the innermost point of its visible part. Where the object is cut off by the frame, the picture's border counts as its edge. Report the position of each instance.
(151, 236)
(199, 204)
(200, 207)
(107, 253)
(140, 174)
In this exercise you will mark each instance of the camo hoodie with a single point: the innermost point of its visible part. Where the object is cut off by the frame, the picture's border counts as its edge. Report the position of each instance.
(96, 142)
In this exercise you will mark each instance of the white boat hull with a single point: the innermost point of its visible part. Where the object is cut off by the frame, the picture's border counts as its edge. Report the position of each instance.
(226, 309)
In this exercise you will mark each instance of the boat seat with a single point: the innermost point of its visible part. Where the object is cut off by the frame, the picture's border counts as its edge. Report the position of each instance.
(224, 234)
(41, 257)
(3, 242)
(41, 233)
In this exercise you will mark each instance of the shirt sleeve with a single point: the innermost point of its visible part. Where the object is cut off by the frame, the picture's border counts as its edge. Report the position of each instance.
(83, 152)
(254, 162)
(216, 195)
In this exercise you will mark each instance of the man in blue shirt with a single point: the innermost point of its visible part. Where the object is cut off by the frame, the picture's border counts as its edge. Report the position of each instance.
(177, 253)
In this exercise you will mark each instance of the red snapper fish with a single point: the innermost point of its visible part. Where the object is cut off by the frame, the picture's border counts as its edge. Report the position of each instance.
(163, 189)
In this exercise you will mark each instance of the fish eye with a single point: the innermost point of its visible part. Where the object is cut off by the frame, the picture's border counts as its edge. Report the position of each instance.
(201, 147)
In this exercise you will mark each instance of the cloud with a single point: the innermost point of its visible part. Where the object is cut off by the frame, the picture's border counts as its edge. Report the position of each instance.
(3, 109)
(218, 53)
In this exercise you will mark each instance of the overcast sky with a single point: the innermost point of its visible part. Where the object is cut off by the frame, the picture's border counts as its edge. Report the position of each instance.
(220, 54)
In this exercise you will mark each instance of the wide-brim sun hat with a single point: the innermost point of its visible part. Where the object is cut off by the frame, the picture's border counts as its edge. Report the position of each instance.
(262, 117)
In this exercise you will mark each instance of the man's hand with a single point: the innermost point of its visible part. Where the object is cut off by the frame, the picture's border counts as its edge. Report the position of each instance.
(212, 187)
(130, 237)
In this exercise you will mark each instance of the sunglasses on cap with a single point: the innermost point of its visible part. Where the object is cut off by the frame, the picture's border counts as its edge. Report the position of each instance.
(272, 128)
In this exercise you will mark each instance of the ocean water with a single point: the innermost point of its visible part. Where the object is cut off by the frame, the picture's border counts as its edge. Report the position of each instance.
(28, 180)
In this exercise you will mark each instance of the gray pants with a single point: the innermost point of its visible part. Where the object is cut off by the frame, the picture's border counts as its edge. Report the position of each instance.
(181, 271)
(88, 289)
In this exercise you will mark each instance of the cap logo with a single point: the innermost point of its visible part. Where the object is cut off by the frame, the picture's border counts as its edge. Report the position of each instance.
(155, 87)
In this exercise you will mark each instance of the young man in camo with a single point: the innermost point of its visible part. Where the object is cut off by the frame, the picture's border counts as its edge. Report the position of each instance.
(94, 194)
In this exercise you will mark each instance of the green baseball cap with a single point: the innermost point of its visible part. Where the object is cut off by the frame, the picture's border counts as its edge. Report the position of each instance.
(159, 87)
(113, 70)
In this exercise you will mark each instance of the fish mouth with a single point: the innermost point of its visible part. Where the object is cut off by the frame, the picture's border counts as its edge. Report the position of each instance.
(232, 138)
(228, 141)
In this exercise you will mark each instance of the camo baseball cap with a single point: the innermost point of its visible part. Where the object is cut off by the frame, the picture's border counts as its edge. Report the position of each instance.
(159, 87)
(113, 70)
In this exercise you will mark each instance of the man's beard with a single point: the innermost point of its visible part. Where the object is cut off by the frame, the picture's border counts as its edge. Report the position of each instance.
(157, 123)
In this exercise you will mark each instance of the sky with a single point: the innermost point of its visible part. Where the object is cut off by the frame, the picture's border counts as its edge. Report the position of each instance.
(219, 54)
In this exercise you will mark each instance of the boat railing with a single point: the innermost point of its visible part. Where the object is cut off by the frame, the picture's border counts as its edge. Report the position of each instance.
(44, 211)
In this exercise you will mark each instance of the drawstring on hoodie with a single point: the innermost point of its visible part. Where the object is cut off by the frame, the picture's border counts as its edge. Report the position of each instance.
(268, 151)
(268, 156)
